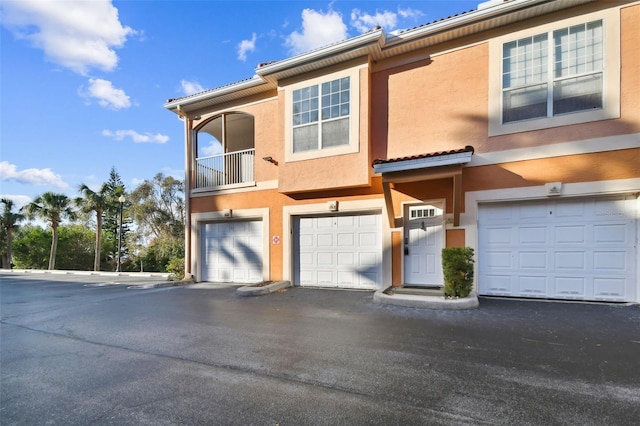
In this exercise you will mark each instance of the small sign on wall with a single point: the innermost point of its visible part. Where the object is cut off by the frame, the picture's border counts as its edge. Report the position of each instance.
(276, 239)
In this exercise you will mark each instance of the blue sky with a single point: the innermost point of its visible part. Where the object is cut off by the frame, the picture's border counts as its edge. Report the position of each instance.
(83, 83)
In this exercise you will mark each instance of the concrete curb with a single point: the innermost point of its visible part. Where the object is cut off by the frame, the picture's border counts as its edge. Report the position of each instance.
(160, 285)
(426, 302)
(254, 290)
(95, 273)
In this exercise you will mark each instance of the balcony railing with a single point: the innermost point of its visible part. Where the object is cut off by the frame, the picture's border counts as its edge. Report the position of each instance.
(225, 169)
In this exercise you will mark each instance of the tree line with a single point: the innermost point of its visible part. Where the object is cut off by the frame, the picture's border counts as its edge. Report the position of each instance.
(107, 229)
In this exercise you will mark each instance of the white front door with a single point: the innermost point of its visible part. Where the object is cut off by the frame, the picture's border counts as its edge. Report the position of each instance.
(423, 243)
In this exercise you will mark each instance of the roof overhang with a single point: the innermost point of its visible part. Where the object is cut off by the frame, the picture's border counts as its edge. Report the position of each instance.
(417, 163)
(367, 44)
(184, 106)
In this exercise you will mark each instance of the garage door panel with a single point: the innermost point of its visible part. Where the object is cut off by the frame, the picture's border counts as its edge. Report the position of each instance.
(583, 249)
(325, 259)
(533, 260)
(607, 234)
(325, 240)
(346, 240)
(564, 210)
(569, 234)
(609, 260)
(368, 259)
(573, 287)
(570, 260)
(306, 240)
(532, 235)
(326, 278)
(369, 239)
(498, 235)
(346, 279)
(346, 259)
(338, 251)
(497, 259)
(609, 287)
(533, 212)
(533, 285)
(499, 284)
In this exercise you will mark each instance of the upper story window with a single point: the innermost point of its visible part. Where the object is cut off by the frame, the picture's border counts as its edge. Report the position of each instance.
(553, 73)
(557, 74)
(320, 115)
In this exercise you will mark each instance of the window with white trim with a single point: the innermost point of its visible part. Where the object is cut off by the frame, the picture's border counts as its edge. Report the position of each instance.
(321, 115)
(559, 73)
(553, 73)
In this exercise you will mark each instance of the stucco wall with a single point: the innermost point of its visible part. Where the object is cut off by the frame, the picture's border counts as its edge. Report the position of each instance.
(442, 103)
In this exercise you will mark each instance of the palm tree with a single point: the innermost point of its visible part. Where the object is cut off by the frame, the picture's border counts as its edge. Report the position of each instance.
(9, 221)
(52, 208)
(92, 201)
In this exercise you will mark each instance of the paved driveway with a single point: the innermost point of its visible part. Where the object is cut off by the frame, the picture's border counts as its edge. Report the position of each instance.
(77, 354)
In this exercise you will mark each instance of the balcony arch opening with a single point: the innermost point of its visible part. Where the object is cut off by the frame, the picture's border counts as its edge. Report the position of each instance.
(225, 151)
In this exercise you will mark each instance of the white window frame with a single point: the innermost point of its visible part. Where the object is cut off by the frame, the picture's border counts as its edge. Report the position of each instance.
(611, 76)
(354, 116)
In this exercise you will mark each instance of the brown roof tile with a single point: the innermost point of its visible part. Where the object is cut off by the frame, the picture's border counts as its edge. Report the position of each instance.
(467, 148)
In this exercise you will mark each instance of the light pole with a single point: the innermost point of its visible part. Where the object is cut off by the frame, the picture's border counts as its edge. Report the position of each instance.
(121, 199)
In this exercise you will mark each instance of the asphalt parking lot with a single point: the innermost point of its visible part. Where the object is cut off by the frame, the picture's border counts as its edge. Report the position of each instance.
(90, 350)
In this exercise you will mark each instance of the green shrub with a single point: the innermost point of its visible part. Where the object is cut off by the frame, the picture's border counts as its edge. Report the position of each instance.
(457, 266)
(176, 268)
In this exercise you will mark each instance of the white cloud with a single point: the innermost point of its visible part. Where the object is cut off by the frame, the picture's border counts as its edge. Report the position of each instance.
(318, 30)
(38, 177)
(409, 13)
(191, 87)
(107, 95)
(78, 35)
(364, 22)
(246, 46)
(214, 148)
(135, 136)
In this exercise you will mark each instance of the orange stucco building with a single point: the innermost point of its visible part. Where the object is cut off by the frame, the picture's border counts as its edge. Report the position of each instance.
(513, 129)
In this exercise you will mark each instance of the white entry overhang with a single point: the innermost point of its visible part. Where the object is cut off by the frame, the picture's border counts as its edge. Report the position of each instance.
(437, 165)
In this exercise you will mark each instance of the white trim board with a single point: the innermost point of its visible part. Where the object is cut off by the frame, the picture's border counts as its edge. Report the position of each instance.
(586, 146)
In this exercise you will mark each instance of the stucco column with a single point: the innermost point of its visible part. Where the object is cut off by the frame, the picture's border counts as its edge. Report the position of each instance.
(187, 197)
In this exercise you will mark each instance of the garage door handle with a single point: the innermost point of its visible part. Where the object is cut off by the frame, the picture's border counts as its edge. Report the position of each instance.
(406, 251)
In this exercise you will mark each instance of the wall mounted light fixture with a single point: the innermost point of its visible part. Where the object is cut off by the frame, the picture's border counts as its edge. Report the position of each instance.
(270, 160)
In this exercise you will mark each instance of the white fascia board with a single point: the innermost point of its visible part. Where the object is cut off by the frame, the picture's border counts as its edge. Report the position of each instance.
(424, 163)
(314, 55)
(456, 21)
(234, 87)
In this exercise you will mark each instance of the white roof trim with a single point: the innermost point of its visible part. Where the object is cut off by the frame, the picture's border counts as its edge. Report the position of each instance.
(230, 88)
(424, 163)
(351, 43)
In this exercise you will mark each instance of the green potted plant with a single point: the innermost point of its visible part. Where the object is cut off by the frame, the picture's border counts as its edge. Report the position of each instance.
(457, 267)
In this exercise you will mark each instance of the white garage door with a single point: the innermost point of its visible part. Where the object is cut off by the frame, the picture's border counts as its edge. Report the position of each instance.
(338, 251)
(576, 249)
(232, 252)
